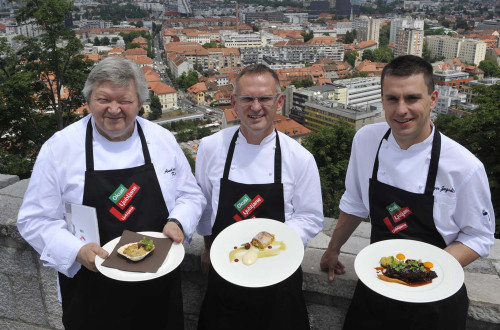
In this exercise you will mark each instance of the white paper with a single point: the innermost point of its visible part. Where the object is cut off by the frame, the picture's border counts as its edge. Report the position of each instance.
(82, 222)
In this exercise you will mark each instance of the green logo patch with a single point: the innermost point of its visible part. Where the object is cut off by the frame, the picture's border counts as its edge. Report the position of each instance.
(118, 194)
(393, 208)
(242, 202)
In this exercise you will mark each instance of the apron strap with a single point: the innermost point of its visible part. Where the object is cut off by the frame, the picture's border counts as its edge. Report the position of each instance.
(433, 166)
(89, 148)
(277, 157)
(375, 165)
(277, 160)
(230, 153)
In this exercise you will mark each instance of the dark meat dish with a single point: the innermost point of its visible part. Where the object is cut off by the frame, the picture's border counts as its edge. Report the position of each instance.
(410, 274)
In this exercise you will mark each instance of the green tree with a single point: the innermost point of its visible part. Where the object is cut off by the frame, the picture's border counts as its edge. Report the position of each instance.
(479, 133)
(385, 32)
(349, 37)
(331, 148)
(490, 68)
(105, 41)
(383, 54)
(426, 52)
(350, 57)
(54, 59)
(156, 108)
(307, 35)
(368, 55)
(306, 82)
(97, 42)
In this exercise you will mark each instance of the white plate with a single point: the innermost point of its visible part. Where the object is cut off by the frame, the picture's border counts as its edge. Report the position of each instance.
(265, 271)
(173, 259)
(450, 274)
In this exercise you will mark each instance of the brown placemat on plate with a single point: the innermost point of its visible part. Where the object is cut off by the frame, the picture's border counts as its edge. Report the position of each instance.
(150, 264)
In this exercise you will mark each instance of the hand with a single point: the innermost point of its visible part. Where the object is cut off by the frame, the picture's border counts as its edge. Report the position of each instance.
(174, 232)
(86, 255)
(330, 263)
(205, 261)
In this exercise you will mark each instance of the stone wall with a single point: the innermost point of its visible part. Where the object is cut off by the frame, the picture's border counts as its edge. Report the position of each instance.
(28, 293)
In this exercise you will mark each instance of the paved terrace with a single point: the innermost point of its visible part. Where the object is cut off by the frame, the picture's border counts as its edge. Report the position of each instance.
(28, 298)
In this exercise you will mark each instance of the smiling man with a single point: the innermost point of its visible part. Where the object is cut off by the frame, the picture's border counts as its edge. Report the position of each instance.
(135, 175)
(256, 166)
(414, 183)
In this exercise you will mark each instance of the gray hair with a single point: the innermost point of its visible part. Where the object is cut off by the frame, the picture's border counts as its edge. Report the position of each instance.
(119, 71)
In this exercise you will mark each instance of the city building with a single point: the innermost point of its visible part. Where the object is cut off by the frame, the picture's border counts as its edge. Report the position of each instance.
(360, 91)
(410, 42)
(467, 50)
(330, 113)
(368, 28)
(403, 23)
(447, 98)
(452, 78)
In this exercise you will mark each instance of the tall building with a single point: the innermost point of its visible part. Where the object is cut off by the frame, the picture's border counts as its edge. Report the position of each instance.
(410, 42)
(367, 28)
(467, 50)
(402, 23)
(184, 7)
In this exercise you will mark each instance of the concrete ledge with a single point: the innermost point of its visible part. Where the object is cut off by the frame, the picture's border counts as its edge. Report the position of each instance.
(28, 294)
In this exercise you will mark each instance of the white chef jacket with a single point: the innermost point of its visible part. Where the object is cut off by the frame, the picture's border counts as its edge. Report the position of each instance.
(462, 200)
(59, 177)
(254, 164)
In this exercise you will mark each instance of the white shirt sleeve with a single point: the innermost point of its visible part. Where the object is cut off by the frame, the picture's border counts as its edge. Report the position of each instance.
(189, 200)
(41, 218)
(205, 225)
(307, 216)
(474, 214)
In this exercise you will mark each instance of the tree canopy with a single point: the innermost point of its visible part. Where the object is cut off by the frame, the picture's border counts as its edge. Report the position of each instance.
(40, 84)
(490, 68)
(331, 148)
(479, 133)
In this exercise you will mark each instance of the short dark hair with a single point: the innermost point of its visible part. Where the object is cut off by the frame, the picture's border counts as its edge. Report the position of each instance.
(407, 65)
(258, 69)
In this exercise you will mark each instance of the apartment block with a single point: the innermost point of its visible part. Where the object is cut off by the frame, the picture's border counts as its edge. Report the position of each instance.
(448, 97)
(330, 113)
(410, 42)
(403, 23)
(452, 78)
(467, 50)
(293, 53)
(360, 91)
(368, 28)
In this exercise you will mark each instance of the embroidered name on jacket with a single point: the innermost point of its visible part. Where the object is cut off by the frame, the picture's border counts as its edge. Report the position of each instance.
(121, 197)
(245, 205)
(397, 214)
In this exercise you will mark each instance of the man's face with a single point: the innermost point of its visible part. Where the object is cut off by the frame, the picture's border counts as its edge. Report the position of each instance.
(407, 104)
(257, 117)
(114, 109)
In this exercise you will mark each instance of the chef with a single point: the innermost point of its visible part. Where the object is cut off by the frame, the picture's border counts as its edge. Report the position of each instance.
(255, 162)
(111, 151)
(414, 183)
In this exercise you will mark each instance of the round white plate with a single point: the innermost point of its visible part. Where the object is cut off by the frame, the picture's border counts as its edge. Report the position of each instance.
(265, 271)
(450, 274)
(173, 259)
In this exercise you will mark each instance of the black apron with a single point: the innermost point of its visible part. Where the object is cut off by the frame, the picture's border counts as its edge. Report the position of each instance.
(124, 199)
(229, 306)
(399, 214)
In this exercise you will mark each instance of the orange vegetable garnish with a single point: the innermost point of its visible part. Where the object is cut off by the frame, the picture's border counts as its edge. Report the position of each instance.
(428, 264)
(400, 256)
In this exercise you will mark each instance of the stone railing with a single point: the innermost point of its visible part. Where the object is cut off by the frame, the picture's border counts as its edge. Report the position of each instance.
(28, 294)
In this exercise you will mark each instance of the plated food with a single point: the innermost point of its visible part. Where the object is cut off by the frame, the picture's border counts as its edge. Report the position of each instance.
(137, 251)
(408, 272)
(262, 245)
